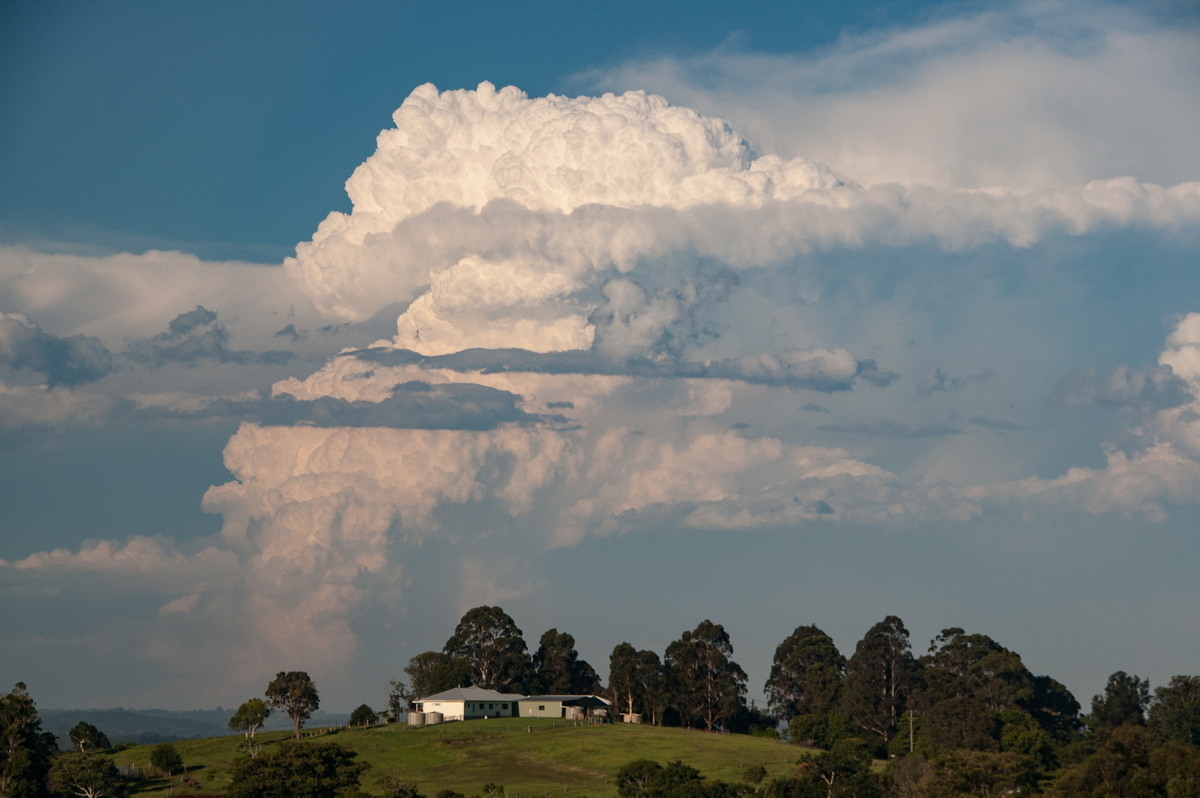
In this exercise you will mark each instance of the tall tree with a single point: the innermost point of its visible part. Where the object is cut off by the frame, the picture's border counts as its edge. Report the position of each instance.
(1123, 703)
(298, 770)
(557, 668)
(294, 694)
(960, 664)
(879, 679)
(87, 738)
(25, 750)
(706, 685)
(635, 681)
(492, 645)
(806, 675)
(85, 775)
(250, 717)
(398, 696)
(1175, 713)
(432, 672)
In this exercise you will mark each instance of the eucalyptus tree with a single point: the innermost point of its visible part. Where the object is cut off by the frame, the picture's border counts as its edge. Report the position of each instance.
(705, 684)
(806, 675)
(493, 648)
(880, 678)
(294, 694)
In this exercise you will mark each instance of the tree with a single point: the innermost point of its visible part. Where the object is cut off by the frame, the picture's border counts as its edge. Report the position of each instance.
(166, 758)
(705, 684)
(432, 672)
(961, 664)
(1123, 702)
(393, 785)
(879, 679)
(298, 770)
(398, 697)
(1175, 713)
(86, 775)
(25, 750)
(294, 694)
(635, 681)
(363, 715)
(557, 668)
(490, 642)
(843, 770)
(248, 719)
(86, 737)
(806, 675)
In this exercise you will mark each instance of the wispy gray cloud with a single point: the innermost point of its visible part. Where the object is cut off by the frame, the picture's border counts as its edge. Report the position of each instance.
(74, 360)
(193, 337)
(938, 381)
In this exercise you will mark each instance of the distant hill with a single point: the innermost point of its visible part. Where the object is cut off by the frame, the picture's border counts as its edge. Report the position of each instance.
(145, 726)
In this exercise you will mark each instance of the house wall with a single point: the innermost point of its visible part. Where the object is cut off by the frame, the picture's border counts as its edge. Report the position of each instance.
(541, 709)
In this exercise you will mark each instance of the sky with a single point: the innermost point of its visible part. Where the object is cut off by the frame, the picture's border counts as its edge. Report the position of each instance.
(322, 324)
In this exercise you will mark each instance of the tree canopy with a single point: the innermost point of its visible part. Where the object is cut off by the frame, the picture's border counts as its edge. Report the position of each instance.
(298, 770)
(705, 684)
(294, 694)
(488, 640)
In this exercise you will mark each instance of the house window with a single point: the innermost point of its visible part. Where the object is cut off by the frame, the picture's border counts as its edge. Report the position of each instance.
(504, 706)
(541, 707)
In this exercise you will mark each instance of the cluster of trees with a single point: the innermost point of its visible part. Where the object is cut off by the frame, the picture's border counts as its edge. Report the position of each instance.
(968, 718)
(488, 650)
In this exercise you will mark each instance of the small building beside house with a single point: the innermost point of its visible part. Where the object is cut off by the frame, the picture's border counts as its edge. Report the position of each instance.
(464, 703)
(563, 706)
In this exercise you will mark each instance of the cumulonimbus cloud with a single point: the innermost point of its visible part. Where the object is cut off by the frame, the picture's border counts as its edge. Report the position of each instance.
(586, 290)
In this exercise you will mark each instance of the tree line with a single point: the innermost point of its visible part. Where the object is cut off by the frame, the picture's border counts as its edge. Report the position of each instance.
(966, 717)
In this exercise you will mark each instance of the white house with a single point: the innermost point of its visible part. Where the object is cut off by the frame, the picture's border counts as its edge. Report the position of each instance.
(461, 703)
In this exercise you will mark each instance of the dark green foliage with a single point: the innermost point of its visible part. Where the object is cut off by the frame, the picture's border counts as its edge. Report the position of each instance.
(806, 675)
(636, 682)
(1054, 709)
(705, 685)
(843, 771)
(960, 722)
(982, 773)
(493, 648)
(880, 678)
(432, 672)
(87, 738)
(1175, 713)
(165, 758)
(821, 731)
(643, 778)
(87, 775)
(557, 669)
(25, 750)
(298, 770)
(960, 664)
(449, 794)
(363, 715)
(754, 774)
(1124, 702)
(250, 717)
(294, 694)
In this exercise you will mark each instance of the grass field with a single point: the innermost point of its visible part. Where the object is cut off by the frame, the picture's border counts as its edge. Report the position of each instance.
(529, 757)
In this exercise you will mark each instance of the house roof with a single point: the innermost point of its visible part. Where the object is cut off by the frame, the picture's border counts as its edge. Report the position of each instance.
(568, 699)
(471, 694)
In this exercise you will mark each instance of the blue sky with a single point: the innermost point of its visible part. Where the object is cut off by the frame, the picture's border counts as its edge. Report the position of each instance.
(774, 316)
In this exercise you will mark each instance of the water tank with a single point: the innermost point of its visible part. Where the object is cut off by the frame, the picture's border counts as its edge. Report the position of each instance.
(434, 718)
(416, 718)
(574, 713)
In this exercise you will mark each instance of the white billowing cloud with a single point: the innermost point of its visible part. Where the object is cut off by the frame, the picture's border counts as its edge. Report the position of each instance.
(1024, 95)
(1158, 469)
(120, 296)
(580, 256)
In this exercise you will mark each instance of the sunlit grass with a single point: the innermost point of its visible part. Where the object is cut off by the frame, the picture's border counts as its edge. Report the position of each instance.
(529, 757)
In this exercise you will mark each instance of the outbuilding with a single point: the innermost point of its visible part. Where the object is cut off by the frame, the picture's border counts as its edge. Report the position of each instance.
(564, 706)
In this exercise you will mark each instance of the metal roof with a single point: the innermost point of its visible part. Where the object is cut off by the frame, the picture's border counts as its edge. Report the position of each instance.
(471, 694)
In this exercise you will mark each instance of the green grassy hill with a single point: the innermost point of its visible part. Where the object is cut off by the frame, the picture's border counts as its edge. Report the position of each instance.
(529, 757)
